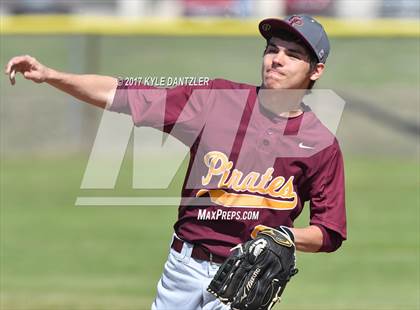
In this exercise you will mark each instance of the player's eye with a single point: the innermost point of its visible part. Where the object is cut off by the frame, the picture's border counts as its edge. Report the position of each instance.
(271, 49)
(295, 56)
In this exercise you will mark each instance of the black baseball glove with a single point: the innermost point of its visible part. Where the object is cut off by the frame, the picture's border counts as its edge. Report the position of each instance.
(256, 273)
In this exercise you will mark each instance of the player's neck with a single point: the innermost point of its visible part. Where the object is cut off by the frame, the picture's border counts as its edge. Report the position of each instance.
(282, 102)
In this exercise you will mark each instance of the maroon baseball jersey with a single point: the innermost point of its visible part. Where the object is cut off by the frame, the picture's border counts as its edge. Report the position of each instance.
(248, 166)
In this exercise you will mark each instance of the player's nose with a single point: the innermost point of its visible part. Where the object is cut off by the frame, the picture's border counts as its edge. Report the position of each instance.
(279, 58)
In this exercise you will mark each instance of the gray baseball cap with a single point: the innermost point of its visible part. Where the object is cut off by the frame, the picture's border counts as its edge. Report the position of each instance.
(303, 26)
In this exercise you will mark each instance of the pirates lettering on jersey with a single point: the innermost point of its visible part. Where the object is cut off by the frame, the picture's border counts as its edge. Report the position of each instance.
(282, 192)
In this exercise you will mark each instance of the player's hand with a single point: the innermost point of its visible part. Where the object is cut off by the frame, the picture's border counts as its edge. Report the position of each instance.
(28, 66)
(256, 273)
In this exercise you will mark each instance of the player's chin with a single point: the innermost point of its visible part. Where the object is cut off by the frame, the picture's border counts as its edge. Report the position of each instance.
(271, 83)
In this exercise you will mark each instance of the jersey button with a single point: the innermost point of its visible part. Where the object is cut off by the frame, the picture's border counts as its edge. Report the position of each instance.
(266, 142)
(270, 131)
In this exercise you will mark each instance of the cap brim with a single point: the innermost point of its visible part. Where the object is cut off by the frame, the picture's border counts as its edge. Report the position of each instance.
(269, 27)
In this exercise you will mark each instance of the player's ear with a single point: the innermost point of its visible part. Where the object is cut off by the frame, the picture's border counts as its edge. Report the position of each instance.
(317, 71)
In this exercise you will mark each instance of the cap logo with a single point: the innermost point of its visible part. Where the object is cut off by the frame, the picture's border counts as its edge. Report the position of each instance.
(266, 27)
(295, 21)
(321, 53)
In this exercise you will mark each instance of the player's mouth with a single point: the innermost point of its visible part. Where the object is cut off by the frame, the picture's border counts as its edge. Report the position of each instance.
(279, 72)
(275, 74)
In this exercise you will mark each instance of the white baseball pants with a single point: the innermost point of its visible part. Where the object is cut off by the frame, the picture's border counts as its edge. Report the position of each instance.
(184, 282)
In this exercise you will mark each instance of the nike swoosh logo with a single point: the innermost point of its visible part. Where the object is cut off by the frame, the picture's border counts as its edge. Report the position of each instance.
(302, 146)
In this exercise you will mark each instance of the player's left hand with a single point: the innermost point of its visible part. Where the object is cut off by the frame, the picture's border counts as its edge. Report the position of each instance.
(256, 273)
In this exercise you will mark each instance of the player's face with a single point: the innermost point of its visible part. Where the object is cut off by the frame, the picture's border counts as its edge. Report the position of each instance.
(285, 65)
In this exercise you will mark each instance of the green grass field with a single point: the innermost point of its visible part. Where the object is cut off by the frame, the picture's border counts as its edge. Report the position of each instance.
(55, 256)
(58, 256)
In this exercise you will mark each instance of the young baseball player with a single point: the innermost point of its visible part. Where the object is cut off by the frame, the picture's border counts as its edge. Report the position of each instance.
(257, 154)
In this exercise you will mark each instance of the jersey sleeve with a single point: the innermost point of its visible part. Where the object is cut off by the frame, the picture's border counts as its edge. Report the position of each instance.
(163, 108)
(327, 194)
(331, 240)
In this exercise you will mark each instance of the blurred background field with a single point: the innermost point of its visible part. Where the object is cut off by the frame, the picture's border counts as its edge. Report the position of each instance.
(54, 255)
(57, 256)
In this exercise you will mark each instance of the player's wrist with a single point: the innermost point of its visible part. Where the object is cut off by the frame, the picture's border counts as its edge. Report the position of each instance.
(50, 75)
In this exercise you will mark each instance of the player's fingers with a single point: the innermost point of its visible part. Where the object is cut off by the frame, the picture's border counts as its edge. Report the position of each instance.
(12, 62)
(12, 77)
(30, 75)
(34, 76)
(18, 60)
(14, 69)
(16, 64)
(9, 65)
